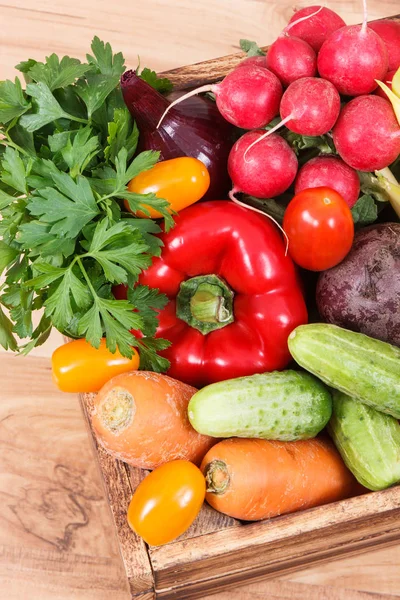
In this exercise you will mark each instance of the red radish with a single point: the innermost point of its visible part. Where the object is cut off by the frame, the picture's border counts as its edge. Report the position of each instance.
(266, 171)
(388, 80)
(310, 106)
(317, 27)
(259, 61)
(352, 58)
(367, 134)
(332, 172)
(389, 31)
(248, 97)
(291, 58)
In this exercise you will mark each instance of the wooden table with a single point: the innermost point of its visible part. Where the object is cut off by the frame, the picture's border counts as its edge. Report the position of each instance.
(56, 534)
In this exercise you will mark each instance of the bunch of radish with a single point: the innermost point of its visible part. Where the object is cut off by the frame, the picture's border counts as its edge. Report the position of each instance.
(330, 72)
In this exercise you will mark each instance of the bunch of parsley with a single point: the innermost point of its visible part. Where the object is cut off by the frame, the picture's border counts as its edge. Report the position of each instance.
(66, 148)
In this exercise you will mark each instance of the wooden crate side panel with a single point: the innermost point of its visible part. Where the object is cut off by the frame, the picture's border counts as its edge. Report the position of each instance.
(117, 482)
(209, 71)
(279, 546)
(209, 521)
(229, 579)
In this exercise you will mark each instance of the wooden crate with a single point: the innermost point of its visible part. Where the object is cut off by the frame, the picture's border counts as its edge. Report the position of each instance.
(217, 551)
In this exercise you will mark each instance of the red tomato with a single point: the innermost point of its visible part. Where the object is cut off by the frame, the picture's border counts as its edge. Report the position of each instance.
(320, 228)
(167, 502)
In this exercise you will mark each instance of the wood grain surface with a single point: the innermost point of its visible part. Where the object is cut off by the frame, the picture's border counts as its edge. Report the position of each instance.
(57, 539)
(56, 534)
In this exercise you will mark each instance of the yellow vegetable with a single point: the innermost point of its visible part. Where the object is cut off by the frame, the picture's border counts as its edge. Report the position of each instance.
(394, 93)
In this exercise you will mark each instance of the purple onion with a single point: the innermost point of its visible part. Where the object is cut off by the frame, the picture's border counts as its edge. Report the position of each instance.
(194, 128)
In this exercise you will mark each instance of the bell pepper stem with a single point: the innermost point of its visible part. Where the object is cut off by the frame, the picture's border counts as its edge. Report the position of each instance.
(205, 303)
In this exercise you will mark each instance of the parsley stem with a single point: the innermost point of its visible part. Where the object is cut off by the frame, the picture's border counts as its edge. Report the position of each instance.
(10, 143)
(89, 283)
(78, 119)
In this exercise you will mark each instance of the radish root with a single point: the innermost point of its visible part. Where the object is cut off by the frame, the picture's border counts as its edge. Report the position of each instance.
(203, 88)
(257, 210)
(278, 126)
(365, 17)
(288, 27)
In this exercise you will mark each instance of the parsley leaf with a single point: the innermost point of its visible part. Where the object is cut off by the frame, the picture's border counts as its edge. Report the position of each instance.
(23, 138)
(5, 199)
(26, 65)
(149, 359)
(39, 335)
(50, 274)
(70, 205)
(142, 202)
(70, 101)
(59, 140)
(116, 318)
(119, 251)
(94, 90)
(12, 100)
(122, 133)
(104, 60)
(57, 74)
(251, 48)
(143, 162)
(161, 84)
(12, 216)
(58, 304)
(7, 255)
(13, 171)
(81, 151)
(147, 228)
(36, 236)
(48, 109)
(7, 340)
(21, 312)
(147, 302)
(108, 68)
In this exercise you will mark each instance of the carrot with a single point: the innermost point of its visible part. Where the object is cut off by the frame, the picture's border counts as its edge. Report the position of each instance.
(141, 417)
(257, 479)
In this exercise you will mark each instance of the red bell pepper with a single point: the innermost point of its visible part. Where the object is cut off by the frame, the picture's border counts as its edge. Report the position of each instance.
(234, 297)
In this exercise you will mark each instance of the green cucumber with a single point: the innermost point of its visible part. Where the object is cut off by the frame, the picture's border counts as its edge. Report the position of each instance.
(368, 441)
(285, 406)
(362, 367)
